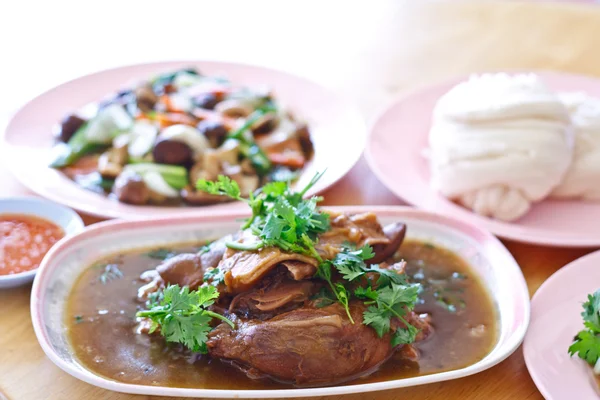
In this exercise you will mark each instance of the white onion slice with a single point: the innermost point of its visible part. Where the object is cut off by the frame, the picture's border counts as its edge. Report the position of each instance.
(188, 135)
(157, 183)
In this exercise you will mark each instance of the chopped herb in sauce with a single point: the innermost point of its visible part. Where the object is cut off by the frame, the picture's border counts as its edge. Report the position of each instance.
(193, 370)
(154, 299)
(111, 272)
(215, 276)
(78, 319)
(160, 254)
(446, 290)
(205, 248)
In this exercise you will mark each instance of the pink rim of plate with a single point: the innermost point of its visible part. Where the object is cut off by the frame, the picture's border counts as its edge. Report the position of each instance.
(28, 135)
(394, 151)
(555, 320)
(510, 339)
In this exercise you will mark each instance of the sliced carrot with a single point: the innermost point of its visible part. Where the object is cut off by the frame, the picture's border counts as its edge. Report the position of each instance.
(203, 114)
(166, 100)
(289, 159)
(168, 119)
(144, 117)
(85, 165)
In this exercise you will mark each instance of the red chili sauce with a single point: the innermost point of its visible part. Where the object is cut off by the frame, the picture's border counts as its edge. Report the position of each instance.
(24, 240)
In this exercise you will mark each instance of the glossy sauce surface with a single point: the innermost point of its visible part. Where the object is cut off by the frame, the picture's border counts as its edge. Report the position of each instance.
(24, 240)
(101, 325)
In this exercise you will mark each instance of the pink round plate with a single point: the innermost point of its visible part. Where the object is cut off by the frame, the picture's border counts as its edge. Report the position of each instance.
(395, 153)
(555, 320)
(28, 138)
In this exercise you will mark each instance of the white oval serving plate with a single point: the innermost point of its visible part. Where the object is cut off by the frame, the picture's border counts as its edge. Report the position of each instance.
(27, 140)
(487, 256)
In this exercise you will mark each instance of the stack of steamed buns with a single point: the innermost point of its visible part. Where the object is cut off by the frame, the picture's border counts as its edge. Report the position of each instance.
(499, 143)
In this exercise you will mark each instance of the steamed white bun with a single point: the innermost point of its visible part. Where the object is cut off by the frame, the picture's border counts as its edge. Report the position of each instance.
(498, 143)
(583, 177)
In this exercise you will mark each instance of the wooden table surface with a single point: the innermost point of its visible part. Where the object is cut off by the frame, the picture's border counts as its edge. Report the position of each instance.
(369, 51)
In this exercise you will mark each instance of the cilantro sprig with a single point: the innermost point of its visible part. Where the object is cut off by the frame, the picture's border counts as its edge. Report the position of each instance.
(389, 302)
(280, 217)
(389, 297)
(182, 315)
(586, 343)
(284, 219)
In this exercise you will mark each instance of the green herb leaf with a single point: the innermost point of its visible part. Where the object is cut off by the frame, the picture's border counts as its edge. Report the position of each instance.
(280, 217)
(591, 312)
(183, 317)
(324, 271)
(344, 298)
(388, 276)
(587, 342)
(586, 346)
(275, 189)
(224, 186)
(338, 289)
(404, 336)
(398, 295)
(366, 293)
(377, 319)
(350, 263)
(391, 301)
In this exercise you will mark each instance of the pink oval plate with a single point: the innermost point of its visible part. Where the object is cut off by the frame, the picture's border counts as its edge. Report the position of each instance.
(28, 136)
(555, 320)
(395, 153)
(486, 255)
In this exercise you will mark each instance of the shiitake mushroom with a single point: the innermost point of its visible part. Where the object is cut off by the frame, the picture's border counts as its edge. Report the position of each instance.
(68, 126)
(171, 151)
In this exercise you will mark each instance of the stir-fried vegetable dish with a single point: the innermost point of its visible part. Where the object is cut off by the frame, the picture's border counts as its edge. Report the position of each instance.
(149, 144)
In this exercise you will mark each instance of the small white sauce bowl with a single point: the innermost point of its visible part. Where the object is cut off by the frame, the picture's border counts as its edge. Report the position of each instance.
(64, 217)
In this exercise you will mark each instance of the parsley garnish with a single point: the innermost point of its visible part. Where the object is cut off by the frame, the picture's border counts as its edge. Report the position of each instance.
(183, 317)
(391, 298)
(587, 342)
(280, 218)
(339, 290)
(388, 302)
(350, 263)
(284, 219)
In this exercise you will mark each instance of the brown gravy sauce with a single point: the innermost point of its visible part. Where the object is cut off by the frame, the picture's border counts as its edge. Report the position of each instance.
(100, 321)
